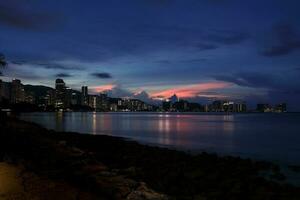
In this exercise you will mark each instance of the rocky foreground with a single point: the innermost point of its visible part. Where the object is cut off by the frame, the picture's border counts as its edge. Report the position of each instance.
(36, 163)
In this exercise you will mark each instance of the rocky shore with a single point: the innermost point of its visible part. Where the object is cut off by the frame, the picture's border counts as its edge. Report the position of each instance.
(63, 165)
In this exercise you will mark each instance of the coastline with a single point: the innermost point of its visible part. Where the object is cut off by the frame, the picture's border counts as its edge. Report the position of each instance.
(115, 168)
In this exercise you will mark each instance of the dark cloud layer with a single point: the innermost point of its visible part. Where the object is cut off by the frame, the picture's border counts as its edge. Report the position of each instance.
(288, 41)
(261, 80)
(12, 13)
(227, 37)
(47, 65)
(103, 75)
(154, 43)
(248, 79)
(63, 75)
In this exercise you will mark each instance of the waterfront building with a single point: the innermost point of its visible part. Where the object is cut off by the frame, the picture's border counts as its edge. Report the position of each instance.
(113, 107)
(74, 99)
(104, 104)
(241, 107)
(50, 98)
(94, 102)
(84, 96)
(264, 108)
(60, 94)
(167, 105)
(217, 106)
(29, 98)
(1, 90)
(17, 92)
(280, 107)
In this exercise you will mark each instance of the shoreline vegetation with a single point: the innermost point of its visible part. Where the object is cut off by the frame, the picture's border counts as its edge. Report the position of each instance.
(66, 165)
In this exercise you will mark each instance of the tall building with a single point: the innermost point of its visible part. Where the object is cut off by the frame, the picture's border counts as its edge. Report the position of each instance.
(264, 108)
(68, 98)
(166, 105)
(94, 102)
(84, 96)
(5, 91)
(60, 94)
(217, 106)
(103, 101)
(280, 107)
(1, 90)
(50, 98)
(241, 107)
(74, 99)
(29, 98)
(17, 92)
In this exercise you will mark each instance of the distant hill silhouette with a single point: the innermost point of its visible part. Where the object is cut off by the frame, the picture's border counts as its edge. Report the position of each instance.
(37, 90)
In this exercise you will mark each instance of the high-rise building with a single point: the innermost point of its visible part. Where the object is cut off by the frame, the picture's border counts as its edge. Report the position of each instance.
(29, 98)
(94, 102)
(17, 92)
(166, 105)
(103, 101)
(50, 98)
(280, 107)
(264, 108)
(84, 96)
(5, 91)
(60, 94)
(68, 99)
(74, 99)
(241, 107)
(1, 90)
(217, 106)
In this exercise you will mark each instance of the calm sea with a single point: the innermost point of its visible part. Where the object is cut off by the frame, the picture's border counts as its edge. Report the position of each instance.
(273, 137)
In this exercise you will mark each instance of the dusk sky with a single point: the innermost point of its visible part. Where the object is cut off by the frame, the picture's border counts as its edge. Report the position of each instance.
(199, 49)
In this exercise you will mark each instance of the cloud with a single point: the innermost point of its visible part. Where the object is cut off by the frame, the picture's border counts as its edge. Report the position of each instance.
(248, 79)
(102, 88)
(190, 61)
(258, 87)
(63, 75)
(227, 37)
(144, 96)
(189, 91)
(13, 13)
(47, 65)
(159, 3)
(287, 41)
(117, 91)
(103, 75)
(205, 46)
(113, 90)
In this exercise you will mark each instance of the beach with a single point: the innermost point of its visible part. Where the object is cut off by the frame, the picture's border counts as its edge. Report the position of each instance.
(105, 167)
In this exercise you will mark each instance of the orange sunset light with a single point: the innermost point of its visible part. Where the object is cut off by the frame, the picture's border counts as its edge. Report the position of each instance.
(192, 90)
(102, 88)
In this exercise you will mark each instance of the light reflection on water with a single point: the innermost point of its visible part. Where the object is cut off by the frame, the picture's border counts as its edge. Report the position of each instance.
(271, 136)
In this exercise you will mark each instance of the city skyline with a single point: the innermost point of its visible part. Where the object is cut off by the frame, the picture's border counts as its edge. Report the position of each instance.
(199, 50)
(17, 96)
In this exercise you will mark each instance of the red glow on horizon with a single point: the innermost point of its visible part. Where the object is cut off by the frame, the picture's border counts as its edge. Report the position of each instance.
(102, 88)
(193, 90)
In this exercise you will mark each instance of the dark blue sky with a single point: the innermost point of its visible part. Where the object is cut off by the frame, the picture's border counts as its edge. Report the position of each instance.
(200, 49)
